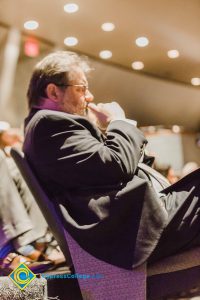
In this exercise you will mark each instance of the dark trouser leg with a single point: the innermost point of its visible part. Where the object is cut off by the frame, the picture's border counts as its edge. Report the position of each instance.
(183, 229)
(20, 218)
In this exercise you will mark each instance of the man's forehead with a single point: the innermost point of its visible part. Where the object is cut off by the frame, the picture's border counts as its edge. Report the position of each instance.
(77, 74)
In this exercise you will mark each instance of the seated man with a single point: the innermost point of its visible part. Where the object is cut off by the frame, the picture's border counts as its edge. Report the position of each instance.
(90, 160)
(22, 226)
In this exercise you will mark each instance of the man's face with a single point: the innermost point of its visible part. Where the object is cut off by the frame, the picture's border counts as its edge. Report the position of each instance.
(74, 98)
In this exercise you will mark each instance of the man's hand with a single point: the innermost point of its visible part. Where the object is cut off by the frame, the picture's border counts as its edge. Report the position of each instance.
(104, 113)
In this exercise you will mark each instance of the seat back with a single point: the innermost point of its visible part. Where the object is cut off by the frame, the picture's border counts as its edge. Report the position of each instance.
(46, 206)
(97, 280)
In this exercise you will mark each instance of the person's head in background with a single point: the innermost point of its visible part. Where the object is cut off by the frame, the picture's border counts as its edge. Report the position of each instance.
(168, 172)
(59, 83)
(172, 176)
(188, 168)
(9, 137)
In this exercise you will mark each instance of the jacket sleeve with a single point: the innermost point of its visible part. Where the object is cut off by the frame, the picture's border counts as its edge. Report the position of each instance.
(68, 153)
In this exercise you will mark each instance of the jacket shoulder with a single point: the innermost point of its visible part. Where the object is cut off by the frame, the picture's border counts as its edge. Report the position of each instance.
(46, 117)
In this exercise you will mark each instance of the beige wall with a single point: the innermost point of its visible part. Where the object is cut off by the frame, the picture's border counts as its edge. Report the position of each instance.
(190, 150)
(174, 149)
(149, 100)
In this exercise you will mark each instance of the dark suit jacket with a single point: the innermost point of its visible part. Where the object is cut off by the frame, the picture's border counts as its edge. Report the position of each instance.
(108, 204)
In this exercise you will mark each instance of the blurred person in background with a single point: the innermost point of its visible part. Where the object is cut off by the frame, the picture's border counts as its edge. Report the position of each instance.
(172, 176)
(22, 226)
(168, 172)
(188, 168)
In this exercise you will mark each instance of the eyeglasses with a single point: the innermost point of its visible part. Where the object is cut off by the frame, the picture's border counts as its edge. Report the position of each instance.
(84, 88)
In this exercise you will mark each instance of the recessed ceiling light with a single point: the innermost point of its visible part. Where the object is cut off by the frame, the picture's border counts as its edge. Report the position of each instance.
(195, 81)
(176, 128)
(71, 8)
(70, 41)
(105, 54)
(137, 65)
(173, 53)
(107, 26)
(142, 41)
(31, 25)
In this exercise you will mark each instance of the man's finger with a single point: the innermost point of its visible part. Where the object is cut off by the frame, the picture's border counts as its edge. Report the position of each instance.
(93, 107)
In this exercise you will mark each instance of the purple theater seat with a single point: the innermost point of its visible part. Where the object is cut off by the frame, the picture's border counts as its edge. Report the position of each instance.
(166, 278)
(116, 283)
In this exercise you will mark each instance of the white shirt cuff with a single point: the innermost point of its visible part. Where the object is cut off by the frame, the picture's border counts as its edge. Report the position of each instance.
(132, 122)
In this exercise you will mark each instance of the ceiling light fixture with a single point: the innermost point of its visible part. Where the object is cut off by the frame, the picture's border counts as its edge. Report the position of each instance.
(137, 65)
(142, 41)
(173, 53)
(71, 8)
(176, 129)
(105, 54)
(70, 41)
(31, 25)
(195, 81)
(108, 26)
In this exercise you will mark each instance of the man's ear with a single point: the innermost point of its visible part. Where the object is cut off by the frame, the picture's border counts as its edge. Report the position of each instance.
(52, 92)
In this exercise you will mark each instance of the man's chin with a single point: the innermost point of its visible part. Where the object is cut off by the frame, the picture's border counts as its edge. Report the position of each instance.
(83, 112)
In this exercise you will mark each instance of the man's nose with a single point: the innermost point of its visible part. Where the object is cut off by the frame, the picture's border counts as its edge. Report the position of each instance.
(89, 96)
